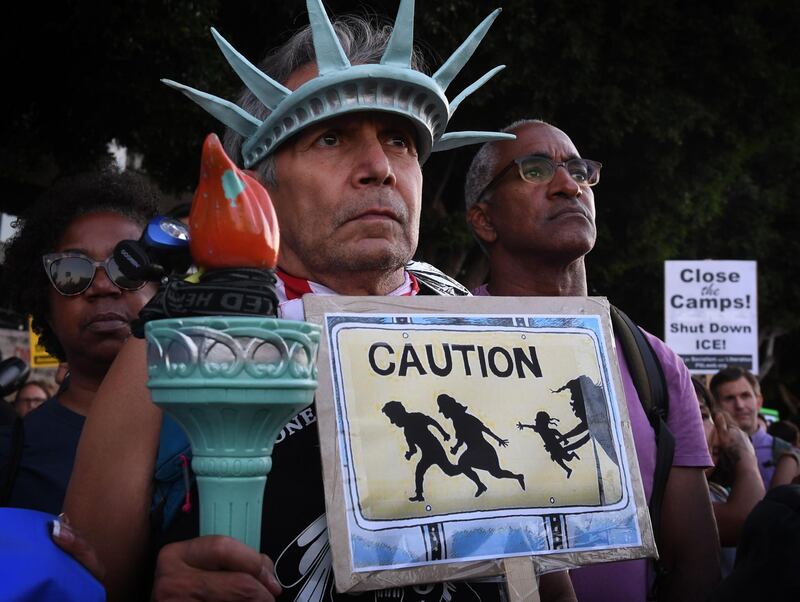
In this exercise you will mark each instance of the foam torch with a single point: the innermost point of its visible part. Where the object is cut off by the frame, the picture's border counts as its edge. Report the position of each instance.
(219, 361)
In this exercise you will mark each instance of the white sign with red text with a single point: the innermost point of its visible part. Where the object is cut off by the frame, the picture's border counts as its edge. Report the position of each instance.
(711, 313)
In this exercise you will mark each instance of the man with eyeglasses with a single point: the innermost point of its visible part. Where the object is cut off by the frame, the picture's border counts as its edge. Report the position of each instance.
(32, 395)
(530, 205)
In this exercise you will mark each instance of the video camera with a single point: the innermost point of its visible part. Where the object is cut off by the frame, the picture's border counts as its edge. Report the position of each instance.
(13, 374)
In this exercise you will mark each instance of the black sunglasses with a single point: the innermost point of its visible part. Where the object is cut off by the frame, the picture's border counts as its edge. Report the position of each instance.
(538, 169)
(71, 272)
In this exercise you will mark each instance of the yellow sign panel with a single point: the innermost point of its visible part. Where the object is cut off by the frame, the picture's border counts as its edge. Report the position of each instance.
(446, 420)
(39, 356)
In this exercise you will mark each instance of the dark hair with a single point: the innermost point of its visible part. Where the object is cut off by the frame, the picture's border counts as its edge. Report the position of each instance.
(731, 374)
(39, 230)
(703, 395)
(446, 402)
(783, 429)
(393, 409)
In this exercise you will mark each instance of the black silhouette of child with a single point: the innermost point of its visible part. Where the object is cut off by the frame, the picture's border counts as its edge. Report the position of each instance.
(588, 403)
(479, 453)
(552, 439)
(415, 427)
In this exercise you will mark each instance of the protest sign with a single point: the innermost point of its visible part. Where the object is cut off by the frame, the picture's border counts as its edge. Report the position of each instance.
(456, 433)
(711, 314)
(40, 358)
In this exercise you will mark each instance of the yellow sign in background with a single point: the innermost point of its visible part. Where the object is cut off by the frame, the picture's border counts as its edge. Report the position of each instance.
(385, 479)
(39, 356)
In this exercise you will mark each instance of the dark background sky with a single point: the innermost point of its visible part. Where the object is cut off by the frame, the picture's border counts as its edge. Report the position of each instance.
(691, 106)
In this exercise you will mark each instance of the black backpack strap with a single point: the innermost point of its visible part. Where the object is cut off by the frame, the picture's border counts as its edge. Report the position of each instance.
(14, 458)
(651, 385)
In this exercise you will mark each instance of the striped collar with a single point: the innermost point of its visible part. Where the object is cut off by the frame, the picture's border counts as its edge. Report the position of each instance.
(290, 290)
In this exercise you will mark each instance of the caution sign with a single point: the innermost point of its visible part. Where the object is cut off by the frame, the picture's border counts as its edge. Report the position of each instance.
(39, 356)
(453, 437)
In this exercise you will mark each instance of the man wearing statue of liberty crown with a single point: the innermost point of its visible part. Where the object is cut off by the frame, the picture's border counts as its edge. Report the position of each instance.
(335, 124)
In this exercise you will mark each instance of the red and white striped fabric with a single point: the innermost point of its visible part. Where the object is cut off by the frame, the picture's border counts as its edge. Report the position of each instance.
(290, 290)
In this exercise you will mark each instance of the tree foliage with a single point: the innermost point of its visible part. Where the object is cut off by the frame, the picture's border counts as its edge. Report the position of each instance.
(692, 108)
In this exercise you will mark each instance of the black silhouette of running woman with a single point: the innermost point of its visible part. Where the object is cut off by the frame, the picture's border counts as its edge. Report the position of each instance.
(552, 439)
(415, 427)
(479, 453)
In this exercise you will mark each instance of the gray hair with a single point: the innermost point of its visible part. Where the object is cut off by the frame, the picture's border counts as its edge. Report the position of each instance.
(484, 164)
(363, 41)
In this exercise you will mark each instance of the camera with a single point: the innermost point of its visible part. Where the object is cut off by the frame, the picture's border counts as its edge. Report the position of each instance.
(13, 374)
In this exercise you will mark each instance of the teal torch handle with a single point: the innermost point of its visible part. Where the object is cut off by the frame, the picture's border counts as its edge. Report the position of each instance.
(232, 384)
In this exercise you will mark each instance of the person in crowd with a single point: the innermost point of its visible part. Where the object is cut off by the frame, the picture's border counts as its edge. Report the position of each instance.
(530, 205)
(60, 270)
(783, 429)
(738, 392)
(7, 413)
(766, 558)
(734, 481)
(347, 193)
(33, 394)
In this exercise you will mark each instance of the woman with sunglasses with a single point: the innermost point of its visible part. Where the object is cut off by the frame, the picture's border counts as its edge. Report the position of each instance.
(60, 269)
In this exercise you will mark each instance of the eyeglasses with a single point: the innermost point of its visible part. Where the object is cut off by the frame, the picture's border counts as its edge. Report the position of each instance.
(71, 272)
(30, 400)
(537, 169)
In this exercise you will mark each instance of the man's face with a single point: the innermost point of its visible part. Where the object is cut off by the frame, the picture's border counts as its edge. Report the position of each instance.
(93, 325)
(29, 398)
(348, 196)
(349, 193)
(554, 219)
(740, 400)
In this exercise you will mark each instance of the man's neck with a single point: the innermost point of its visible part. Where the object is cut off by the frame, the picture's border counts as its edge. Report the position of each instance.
(523, 276)
(377, 282)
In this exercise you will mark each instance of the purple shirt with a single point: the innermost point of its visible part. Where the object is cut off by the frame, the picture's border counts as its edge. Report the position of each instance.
(762, 443)
(627, 581)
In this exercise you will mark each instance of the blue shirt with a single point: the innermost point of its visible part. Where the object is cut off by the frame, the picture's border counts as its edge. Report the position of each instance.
(34, 569)
(51, 439)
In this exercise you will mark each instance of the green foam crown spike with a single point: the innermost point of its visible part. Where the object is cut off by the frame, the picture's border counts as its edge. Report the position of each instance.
(390, 86)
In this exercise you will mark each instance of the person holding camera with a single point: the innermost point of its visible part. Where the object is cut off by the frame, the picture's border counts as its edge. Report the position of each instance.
(60, 269)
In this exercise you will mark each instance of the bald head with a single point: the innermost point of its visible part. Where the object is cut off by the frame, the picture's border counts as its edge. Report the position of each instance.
(486, 163)
(546, 217)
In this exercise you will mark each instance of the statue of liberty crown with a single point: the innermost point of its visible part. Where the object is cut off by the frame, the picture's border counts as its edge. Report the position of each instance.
(390, 86)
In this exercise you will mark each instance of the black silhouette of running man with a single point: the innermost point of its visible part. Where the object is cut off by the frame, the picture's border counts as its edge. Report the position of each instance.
(552, 439)
(479, 453)
(415, 427)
